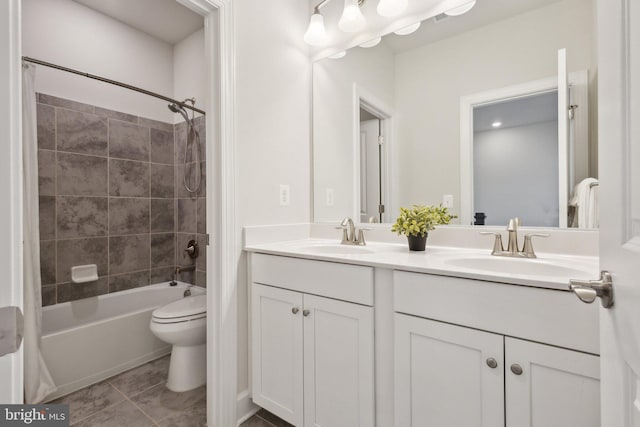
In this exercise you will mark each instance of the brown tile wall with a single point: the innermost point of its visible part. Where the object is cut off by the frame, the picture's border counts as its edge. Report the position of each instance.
(111, 194)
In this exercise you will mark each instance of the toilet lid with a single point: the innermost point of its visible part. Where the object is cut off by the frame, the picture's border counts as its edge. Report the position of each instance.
(185, 307)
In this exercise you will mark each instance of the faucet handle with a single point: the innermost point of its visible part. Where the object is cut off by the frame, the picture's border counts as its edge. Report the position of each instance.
(345, 237)
(528, 247)
(361, 240)
(497, 243)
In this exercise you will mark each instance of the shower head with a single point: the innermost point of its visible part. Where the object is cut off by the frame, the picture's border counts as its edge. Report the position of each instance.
(179, 109)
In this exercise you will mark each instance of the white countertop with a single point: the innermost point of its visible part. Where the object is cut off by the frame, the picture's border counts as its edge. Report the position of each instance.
(551, 271)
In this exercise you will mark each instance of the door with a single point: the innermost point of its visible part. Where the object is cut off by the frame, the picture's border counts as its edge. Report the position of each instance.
(447, 375)
(619, 166)
(563, 138)
(11, 373)
(547, 386)
(338, 363)
(370, 168)
(276, 322)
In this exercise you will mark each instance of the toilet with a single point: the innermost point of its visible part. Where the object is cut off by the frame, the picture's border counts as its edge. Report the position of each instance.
(183, 324)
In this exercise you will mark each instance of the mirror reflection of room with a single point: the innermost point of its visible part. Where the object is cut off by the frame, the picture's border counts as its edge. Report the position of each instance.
(420, 79)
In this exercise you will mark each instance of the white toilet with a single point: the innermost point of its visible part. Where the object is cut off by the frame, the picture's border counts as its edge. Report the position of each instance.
(183, 323)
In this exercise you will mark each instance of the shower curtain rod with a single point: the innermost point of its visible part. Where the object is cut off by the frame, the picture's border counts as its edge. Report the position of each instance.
(113, 82)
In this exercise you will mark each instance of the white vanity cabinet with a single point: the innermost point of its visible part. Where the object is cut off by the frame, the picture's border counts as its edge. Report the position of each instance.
(456, 373)
(312, 341)
(442, 377)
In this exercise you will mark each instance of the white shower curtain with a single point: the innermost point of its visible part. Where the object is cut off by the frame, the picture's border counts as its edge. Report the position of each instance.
(37, 379)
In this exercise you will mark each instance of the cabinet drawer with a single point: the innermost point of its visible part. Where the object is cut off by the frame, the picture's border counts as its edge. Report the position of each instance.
(543, 315)
(345, 282)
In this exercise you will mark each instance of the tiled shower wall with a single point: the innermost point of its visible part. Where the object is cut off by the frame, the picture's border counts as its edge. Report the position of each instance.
(111, 194)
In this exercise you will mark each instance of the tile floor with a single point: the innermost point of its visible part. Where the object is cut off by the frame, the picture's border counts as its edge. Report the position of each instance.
(265, 419)
(139, 398)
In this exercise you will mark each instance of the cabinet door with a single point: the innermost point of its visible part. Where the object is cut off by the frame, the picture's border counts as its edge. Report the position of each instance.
(338, 363)
(557, 387)
(445, 376)
(276, 322)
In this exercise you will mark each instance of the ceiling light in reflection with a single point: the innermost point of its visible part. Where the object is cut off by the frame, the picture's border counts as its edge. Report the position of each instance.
(461, 10)
(496, 124)
(408, 30)
(371, 43)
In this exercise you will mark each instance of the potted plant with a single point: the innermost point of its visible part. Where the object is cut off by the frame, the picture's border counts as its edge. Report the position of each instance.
(415, 223)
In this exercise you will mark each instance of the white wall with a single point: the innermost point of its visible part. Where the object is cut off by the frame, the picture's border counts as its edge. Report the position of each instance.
(189, 70)
(273, 85)
(66, 33)
(528, 156)
(432, 79)
(372, 70)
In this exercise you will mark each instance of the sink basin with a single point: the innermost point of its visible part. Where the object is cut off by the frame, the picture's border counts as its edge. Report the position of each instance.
(535, 267)
(336, 249)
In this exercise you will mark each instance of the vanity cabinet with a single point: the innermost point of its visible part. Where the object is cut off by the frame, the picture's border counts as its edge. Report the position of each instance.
(312, 355)
(442, 377)
(448, 375)
(457, 373)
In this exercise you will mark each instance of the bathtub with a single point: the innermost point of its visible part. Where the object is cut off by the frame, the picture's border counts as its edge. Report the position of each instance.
(89, 340)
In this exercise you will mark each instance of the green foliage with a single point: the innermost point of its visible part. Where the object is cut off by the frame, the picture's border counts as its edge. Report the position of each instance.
(419, 220)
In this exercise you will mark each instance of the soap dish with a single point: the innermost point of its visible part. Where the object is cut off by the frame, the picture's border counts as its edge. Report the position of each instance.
(84, 273)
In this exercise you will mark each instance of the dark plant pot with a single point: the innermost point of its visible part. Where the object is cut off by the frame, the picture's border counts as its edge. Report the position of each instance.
(417, 243)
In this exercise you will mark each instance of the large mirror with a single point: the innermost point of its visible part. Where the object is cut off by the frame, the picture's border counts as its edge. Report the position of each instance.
(492, 113)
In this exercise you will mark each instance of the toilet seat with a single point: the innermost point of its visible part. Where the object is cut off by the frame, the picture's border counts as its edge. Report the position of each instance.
(185, 310)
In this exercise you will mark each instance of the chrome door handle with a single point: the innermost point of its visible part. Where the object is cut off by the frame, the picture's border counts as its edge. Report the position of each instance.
(589, 290)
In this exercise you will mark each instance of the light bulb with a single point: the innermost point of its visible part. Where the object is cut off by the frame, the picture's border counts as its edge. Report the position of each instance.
(352, 19)
(392, 7)
(316, 35)
(371, 43)
(408, 29)
(461, 10)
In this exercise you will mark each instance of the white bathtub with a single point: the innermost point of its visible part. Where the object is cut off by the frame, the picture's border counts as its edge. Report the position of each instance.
(89, 340)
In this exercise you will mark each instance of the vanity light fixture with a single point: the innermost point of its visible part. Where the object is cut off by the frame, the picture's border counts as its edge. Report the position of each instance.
(461, 10)
(316, 34)
(388, 8)
(352, 19)
(408, 29)
(371, 43)
(496, 124)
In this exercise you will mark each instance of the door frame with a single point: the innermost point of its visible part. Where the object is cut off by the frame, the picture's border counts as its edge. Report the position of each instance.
(467, 104)
(221, 203)
(11, 366)
(222, 223)
(368, 101)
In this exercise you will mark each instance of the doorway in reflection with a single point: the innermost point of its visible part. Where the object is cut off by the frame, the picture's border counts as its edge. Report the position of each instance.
(515, 160)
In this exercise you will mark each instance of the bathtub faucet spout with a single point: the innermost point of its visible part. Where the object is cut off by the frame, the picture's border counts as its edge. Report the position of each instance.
(179, 269)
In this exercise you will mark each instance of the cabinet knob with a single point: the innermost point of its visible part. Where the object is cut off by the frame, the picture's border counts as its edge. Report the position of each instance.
(295, 310)
(305, 313)
(516, 369)
(492, 363)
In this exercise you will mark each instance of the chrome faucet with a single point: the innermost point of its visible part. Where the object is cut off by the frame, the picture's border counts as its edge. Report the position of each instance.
(512, 247)
(351, 235)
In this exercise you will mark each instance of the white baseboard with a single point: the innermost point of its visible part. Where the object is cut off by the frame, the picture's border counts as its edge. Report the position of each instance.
(245, 407)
